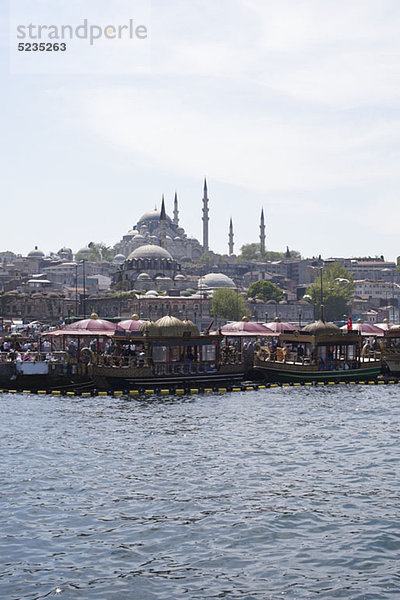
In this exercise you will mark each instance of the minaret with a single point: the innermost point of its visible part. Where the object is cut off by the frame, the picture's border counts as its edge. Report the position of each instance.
(230, 238)
(176, 211)
(262, 234)
(205, 218)
(163, 223)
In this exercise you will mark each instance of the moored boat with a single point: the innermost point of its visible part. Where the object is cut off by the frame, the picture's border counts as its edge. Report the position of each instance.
(168, 353)
(390, 346)
(319, 352)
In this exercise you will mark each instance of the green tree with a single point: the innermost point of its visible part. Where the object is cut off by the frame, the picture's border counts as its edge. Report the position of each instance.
(250, 252)
(228, 304)
(337, 292)
(265, 290)
(253, 252)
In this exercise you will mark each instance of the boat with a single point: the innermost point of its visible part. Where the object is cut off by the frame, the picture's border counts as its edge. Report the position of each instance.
(390, 346)
(319, 352)
(166, 354)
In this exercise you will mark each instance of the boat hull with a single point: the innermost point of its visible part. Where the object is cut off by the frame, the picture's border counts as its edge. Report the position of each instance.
(288, 374)
(392, 362)
(120, 378)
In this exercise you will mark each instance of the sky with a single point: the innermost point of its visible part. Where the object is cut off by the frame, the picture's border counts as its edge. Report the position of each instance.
(287, 105)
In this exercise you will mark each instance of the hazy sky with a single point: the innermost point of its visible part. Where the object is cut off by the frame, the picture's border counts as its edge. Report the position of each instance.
(289, 105)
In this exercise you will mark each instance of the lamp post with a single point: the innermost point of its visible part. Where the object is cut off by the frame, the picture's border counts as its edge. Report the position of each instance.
(76, 289)
(84, 288)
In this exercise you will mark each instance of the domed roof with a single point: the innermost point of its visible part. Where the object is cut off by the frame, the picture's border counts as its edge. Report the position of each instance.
(35, 253)
(151, 293)
(152, 215)
(150, 251)
(93, 324)
(143, 276)
(180, 277)
(150, 328)
(321, 328)
(84, 250)
(163, 278)
(191, 327)
(119, 259)
(171, 326)
(216, 280)
(132, 324)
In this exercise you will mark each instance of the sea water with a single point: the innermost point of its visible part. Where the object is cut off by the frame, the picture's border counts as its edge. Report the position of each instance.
(279, 493)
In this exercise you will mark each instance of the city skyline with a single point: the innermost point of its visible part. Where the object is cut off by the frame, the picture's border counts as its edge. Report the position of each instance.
(290, 107)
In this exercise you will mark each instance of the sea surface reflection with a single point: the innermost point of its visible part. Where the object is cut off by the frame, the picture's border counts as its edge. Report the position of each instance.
(286, 492)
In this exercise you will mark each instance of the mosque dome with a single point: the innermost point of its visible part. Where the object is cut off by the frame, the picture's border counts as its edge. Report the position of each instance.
(150, 252)
(152, 215)
(152, 293)
(216, 280)
(177, 238)
(36, 253)
(143, 277)
(85, 250)
(119, 259)
(139, 238)
(180, 277)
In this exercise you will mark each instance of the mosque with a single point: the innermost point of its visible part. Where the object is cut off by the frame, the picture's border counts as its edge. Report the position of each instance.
(157, 228)
(149, 256)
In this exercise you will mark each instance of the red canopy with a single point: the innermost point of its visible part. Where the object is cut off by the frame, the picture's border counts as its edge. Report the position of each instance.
(93, 325)
(385, 326)
(132, 324)
(365, 329)
(278, 327)
(248, 328)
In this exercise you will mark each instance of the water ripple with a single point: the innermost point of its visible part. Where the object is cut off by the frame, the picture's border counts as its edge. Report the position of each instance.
(289, 493)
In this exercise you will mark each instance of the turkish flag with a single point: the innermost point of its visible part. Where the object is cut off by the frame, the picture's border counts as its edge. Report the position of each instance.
(349, 324)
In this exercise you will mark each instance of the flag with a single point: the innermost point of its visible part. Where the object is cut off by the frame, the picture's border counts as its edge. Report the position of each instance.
(349, 324)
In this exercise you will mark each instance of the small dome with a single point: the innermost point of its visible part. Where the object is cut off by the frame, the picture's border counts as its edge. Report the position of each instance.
(177, 238)
(171, 326)
(321, 328)
(216, 280)
(152, 215)
(84, 250)
(150, 328)
(150, 251)
(180, 277)
(143, 276)
(163, 278)
(151, 293)
(191, 327)
(119, 259)
(36, 253)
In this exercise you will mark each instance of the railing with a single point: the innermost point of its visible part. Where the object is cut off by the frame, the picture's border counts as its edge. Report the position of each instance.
(16, 356)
